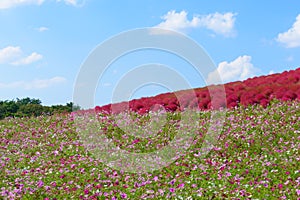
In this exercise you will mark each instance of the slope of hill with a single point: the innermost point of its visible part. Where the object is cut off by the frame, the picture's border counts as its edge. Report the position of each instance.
(258, 90)
(255, 157)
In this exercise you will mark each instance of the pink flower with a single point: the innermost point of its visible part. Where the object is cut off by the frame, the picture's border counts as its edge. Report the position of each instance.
(172, 182)
(127, 178)
(172, 190)
(135, 141)
(123, 195)
(40, 183)
(55, 152)
(155, 178)
(228, 174)
(298, 192)
(160, 191)
(181, 185)
(280, 186)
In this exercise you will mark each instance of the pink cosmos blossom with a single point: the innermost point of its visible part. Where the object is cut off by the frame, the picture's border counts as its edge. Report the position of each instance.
(40, 183)
(172, 190)
(228, 174)
(181, 185)
(123, 195)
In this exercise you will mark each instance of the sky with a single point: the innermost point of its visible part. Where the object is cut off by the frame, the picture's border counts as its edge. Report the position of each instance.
(44, 43)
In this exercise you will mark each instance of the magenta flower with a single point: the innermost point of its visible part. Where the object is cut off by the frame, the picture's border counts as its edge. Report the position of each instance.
(40, 183)
(123, 195)
(135, 141)
(172, 190)
(160, 191)
(172, 182)
(181, 185)
(228, 174)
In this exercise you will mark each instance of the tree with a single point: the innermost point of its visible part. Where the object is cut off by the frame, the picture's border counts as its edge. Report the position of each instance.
(27, 100)
(31, 110)
(32, 107)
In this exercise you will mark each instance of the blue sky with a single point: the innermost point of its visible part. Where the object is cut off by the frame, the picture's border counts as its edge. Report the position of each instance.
(43, 43)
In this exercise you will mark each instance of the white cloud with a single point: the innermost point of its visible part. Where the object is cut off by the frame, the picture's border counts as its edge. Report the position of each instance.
(35, 84)
(9, 53)
(14, 55)
(291, 38)
(177, 21)
(5, 4)
(239, 69)
(219, 23)
(42, 29)
(28, 60)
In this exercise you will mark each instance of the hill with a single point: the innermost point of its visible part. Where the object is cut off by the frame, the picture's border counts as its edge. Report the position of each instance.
(258, 90)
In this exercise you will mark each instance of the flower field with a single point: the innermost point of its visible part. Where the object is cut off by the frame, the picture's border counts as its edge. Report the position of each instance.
(256, 155)
(259, 90)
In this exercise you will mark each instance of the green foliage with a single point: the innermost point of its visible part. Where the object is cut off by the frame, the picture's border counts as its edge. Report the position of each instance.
(28, 107)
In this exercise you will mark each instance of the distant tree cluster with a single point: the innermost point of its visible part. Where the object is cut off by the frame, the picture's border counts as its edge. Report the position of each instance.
(28, 107)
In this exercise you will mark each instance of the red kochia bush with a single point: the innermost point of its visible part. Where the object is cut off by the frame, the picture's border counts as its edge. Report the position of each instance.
(289, 95)
(257, 90)
(232, 99)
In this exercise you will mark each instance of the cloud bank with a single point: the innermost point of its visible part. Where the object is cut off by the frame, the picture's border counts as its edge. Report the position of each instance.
(291, 38)
(14, 55)
(222, 24)
(239, 69)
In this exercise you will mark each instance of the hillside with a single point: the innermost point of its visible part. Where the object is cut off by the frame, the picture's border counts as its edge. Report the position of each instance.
(259, 90)
(254, 155)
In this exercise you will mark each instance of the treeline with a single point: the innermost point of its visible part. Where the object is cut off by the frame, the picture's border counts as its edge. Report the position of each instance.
(27, 107)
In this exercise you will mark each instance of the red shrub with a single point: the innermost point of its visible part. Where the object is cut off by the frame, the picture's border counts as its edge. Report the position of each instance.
(289, 95)
(284, 86)
(171, 107)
